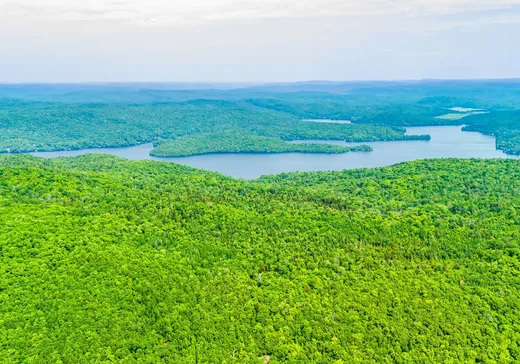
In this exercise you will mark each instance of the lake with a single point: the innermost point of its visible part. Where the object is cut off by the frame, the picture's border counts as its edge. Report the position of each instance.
(446, 142)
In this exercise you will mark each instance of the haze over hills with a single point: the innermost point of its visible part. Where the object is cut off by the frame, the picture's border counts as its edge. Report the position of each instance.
(76, 116)
(341, 87)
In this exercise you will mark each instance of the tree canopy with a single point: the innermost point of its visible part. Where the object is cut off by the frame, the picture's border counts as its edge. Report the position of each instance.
(107, 260)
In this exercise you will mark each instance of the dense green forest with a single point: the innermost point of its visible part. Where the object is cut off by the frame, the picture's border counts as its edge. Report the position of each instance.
(30, 126)
(106, 260)
(236, 142)
(371, 111)
(505, 125)
(62, 117)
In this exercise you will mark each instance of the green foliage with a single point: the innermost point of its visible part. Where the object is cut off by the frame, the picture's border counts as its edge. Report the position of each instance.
(30, 126)
(233, 142)
(87, 116)
(505, 125)
(106, 260)
(459, 115)
(371, 110)
(509, 141)
(400, 104)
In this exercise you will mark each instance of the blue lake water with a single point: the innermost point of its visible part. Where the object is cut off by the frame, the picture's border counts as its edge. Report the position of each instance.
(446, 142)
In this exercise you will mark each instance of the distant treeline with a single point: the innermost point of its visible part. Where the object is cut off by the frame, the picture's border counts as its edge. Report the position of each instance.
(36, 126)
(56, 117)
(505, 125)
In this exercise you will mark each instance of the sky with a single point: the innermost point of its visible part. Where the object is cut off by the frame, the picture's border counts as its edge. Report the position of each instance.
(257, 40)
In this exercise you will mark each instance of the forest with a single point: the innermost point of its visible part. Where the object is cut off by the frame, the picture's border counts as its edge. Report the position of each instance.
(505, 125)
(70, 117)
(107, 260)
(235, 142)
(28, 126)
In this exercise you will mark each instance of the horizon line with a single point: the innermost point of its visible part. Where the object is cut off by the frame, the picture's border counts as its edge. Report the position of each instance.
(318, 81)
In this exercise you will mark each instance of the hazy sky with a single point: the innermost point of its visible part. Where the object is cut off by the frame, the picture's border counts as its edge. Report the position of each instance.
(257, 40)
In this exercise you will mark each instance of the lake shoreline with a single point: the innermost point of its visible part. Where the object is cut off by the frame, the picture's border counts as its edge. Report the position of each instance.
(446, 142)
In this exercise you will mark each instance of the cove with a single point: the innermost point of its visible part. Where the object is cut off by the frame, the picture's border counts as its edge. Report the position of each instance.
(446, 142)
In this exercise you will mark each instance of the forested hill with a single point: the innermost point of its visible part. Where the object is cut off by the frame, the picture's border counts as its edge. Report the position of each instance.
(41, 126)
(106, 260)
(63, 117)
(505, 125)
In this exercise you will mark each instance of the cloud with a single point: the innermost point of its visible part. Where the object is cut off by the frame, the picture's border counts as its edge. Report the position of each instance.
(202, 11)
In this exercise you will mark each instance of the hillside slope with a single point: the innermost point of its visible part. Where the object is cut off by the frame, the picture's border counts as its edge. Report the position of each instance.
(106, 260)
